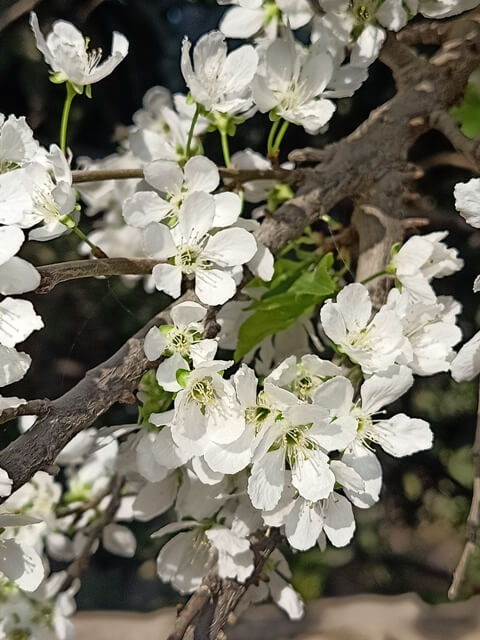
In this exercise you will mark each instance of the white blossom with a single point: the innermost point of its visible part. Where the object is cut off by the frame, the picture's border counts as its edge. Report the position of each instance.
(198, 174)
(291, 82)
(217, 81)
(373, 343)
(195, 253)
(66, 51)
(421, 259)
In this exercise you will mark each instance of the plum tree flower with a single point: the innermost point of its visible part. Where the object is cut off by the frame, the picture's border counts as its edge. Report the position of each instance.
(17, 144)
(198, 174)
(421, 259)
(399, 435)
(430, 330)
(262, 18)
(182, 343)
(373, 343)
(220, 82)
(291, 83)
(19, 562)
(193, 252)
(298, 438)
(207, 409)
(66, 51)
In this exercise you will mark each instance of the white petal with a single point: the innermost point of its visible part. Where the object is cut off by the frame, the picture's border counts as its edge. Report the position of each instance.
(339, 521)
(266, 482)
(11, 239)
(145, 207)
(18, 276)
(203, 351)
(312, 476)
(231, 247)
(201, 174)
(155, 498)
(119, 540)
(303, 525)
(239, 22)
(285, 596)
(466, 365)
(13, 365)
(168, 278)
(158, 241)
(154, 344)
(196, 216)
(187, 313)
(165, 176)
(401, 436)
(366, 464)
(167, 372)
(381, 390)
(21, 564)
(5, 483)
(214, 287)
(228, 207)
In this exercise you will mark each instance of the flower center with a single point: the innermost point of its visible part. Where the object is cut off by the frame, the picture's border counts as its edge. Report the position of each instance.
(45, 205)
(187, 258)
(203, 392)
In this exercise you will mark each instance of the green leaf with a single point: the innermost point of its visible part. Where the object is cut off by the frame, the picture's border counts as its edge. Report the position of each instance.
(296, 294)
(153, 397)
(468, 112)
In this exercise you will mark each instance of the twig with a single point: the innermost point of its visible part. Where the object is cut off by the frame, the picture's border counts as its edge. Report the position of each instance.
(238, 175)
(446, 124)
(78, 566)
(209, 608)
(84, 506)
(30, 408)
(473, 521)
(16, 11)
(53, 274)
(452, 159)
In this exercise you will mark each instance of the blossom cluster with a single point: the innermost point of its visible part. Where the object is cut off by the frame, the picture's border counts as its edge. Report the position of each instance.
(284, 437)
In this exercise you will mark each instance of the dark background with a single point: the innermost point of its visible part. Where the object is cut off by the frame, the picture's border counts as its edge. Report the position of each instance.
(411, 540)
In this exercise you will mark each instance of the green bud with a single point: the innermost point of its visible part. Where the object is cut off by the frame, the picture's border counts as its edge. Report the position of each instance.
(182, 377)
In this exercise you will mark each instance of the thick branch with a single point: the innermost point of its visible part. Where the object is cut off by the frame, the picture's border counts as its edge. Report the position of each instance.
(115, 380)
(53, 274)
(473, 522)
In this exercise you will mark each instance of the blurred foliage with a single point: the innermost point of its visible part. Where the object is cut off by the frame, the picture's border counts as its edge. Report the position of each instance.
(412, 539)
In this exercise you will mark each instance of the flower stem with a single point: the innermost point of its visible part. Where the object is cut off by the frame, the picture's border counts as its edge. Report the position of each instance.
(280, 136)
(188, 151)
(271, 136)
(225, 148)
(375, 275)
(71, 93)
(69, 222)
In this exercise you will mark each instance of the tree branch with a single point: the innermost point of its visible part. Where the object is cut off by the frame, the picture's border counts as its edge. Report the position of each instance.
(54, 274)
(80, 564)
(446, 124)
(473, 522)
(30, 408)
(206, 613)
(115, 380)
(238, 175)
